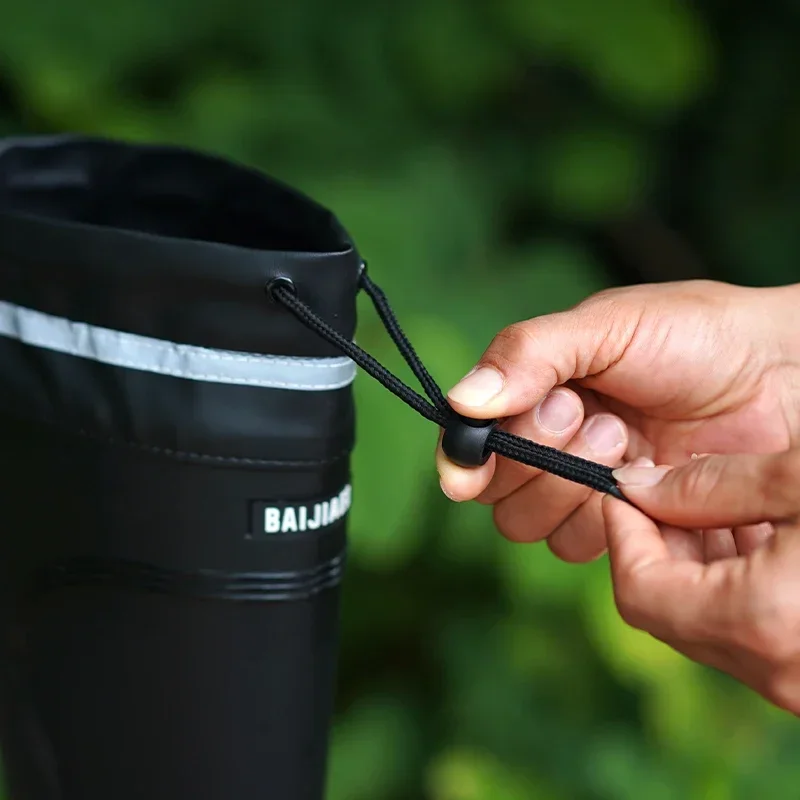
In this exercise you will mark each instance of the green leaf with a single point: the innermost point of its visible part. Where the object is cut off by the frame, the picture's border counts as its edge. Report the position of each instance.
(462, 774)
(654, 55)
(394, 469)
(451, 57)
(636, 657)
(374, 750)
(622, 767)
(469, 536)
(531, 573)
(593, 173)
(421, 223)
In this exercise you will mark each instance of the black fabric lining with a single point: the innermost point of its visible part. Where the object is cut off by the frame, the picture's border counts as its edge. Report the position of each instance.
(162, 190)
(168, 243)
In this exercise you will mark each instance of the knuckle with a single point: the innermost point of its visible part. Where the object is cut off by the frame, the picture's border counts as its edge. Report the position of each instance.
(701, 481)
(520, 350)
(503, 523)
(606, 299)
(615, 317)
(514, 342)
(578, 541)
(779, 484)
(512, 526)
(575, 552)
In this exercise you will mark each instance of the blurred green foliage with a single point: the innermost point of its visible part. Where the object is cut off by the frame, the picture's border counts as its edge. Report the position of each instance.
(494, 161)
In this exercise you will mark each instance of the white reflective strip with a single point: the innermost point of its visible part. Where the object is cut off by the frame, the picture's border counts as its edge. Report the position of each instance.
(168, 358)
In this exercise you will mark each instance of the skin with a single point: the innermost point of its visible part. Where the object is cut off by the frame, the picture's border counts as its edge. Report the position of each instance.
(737, 613)
(707, 557)
(662, 371)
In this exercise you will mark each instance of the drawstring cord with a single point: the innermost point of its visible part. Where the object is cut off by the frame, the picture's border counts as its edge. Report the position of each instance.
(467, 442)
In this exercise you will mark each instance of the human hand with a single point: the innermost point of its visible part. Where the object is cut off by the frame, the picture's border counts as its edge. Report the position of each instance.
(730, 602)
(656, 372)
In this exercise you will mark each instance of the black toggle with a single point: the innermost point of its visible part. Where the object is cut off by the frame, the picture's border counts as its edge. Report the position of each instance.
(464, 440)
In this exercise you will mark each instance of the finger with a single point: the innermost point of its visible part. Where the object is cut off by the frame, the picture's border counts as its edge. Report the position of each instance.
(533, 511)
(460, 483)
(581, 537)
(726, 543)
(683, 545)
(749, 538)
(718, 491)
(526, 360)
(675, 600)
(554, 422)
(718, 543)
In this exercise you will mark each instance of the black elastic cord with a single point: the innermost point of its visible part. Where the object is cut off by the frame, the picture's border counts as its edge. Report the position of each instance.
(438, 410)
(286, 295)
(405, 347)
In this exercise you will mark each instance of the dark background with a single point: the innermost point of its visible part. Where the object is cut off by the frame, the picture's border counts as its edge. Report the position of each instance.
(494, 161)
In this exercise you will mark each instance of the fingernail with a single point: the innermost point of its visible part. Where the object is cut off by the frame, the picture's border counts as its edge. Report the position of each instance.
(478, 387)
(630, 475)
(604, 434)
(445, 492)
(641, 462)
(558, 411)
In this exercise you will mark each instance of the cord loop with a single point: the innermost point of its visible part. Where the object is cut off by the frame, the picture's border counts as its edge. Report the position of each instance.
(467, 442)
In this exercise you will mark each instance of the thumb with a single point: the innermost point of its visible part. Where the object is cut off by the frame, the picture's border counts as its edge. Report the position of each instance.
(673, 599)
(717, 491)
(633, 539)
(526, 360)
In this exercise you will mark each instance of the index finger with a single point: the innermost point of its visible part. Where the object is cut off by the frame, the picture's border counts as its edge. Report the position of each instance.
(527, 359)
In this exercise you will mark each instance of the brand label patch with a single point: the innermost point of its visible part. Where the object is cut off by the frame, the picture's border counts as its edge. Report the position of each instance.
(273, 518)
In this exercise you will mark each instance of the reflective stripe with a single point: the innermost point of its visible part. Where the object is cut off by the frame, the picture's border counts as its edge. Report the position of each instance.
(168, 358)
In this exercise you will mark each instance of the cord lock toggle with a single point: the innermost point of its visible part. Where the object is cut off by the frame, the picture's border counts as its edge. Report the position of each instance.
(464, 441)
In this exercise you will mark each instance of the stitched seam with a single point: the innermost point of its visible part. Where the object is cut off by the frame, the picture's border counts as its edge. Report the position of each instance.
(188, 454)
(264, 462)
(155, 449)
